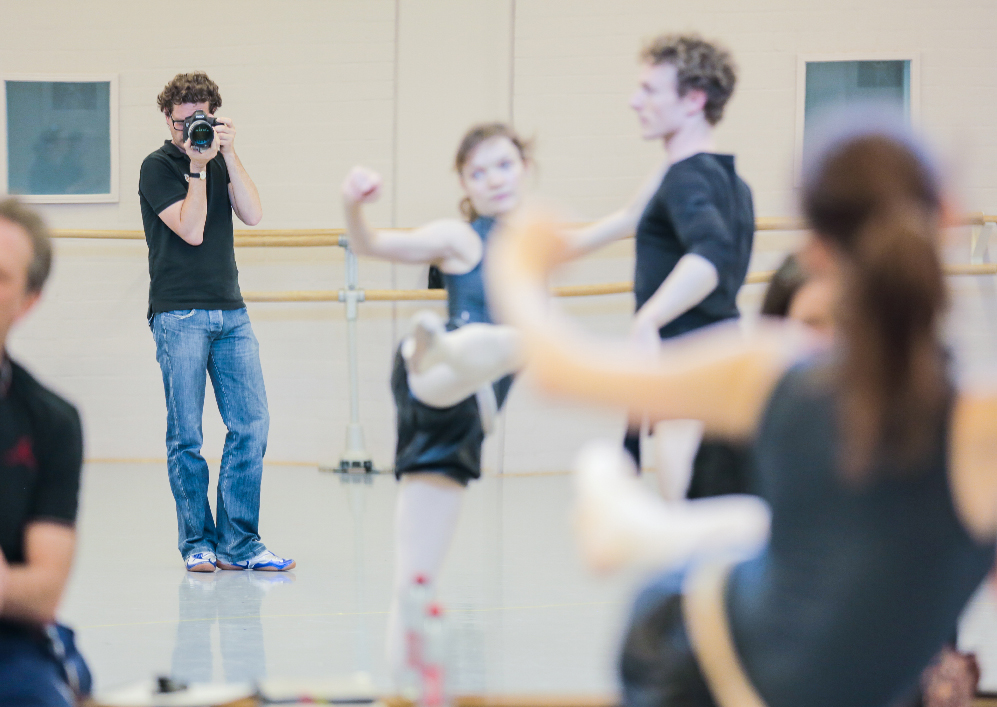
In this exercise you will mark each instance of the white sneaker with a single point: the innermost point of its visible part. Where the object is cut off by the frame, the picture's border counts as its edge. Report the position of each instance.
(201, 562)
(266, 561)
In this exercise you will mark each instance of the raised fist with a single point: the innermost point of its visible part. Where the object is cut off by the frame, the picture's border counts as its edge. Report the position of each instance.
(362, 186)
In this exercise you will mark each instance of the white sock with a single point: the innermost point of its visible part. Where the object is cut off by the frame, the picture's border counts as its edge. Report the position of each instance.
(619, 523)
(425, 518)
(422, 348)
(455, 364)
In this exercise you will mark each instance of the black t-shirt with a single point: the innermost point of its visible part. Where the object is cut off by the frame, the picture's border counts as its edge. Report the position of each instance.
(184, 276)
(41, 453)
(701, 207)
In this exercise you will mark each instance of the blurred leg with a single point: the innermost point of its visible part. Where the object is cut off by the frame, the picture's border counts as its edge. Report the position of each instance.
(425, 519)
(447, 367)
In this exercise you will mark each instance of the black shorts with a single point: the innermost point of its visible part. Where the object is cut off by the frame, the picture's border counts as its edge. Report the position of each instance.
(658, 667)
(439, 440)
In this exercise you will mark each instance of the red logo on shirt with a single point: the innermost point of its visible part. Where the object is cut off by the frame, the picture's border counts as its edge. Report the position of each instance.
(21, 454)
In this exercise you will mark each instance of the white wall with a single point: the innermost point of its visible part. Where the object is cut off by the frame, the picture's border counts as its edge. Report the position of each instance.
(315, 86)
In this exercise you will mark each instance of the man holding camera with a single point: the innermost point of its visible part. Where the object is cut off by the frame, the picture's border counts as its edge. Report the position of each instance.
(188, 190)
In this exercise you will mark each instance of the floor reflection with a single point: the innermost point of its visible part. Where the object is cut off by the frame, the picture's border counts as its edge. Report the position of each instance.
(232, 601)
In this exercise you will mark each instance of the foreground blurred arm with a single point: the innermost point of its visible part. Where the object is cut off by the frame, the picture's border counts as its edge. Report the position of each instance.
(718, 375)
(33, 589)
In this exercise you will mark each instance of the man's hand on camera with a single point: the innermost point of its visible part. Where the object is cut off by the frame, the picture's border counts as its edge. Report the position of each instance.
(225, 135)
(199, 159)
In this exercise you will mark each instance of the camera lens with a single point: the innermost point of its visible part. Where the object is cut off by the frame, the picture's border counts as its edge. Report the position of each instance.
(201, 134)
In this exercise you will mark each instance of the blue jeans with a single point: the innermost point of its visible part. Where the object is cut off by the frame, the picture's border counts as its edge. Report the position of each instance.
(29, 675)
(190, 343)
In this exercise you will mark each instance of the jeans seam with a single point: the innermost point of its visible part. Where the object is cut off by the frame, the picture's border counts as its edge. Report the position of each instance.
(171, 403)
(225, 397)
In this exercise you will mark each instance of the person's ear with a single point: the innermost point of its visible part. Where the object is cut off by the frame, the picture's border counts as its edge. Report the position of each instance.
(27, 304)
(695, 100)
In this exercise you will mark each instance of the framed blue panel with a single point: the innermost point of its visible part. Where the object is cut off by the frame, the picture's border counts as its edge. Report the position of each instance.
(61, 138)
(826, 82)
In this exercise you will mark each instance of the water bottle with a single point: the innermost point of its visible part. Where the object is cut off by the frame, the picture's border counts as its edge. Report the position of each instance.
(434, 673)
(418, 596)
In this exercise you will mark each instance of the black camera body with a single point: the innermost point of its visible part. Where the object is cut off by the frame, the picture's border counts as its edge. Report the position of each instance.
(200, 130)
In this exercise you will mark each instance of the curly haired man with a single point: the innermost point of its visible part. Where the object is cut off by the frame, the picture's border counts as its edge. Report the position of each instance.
(693, 218)
(201, 328)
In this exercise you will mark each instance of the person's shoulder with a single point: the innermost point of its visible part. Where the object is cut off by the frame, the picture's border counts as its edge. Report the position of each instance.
(40, 399)
(160, 160)
(163, 153)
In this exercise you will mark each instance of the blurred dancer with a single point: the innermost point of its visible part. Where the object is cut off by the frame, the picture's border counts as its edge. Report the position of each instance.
(879, 472)
(449, 381)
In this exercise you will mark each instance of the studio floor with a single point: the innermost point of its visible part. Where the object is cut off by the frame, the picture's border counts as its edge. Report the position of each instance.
(523, 613)
(524, 616)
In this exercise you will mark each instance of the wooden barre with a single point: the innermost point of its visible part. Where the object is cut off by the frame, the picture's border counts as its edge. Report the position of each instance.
(319, 237)
(605, 288)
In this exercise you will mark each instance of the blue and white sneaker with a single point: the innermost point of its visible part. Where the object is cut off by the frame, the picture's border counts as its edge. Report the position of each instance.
(201, 562)
(266, 561)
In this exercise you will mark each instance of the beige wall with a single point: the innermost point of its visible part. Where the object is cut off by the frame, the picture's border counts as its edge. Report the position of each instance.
(317, 86)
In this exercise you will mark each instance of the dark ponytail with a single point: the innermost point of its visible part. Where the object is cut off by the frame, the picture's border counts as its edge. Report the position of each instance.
(875, 201)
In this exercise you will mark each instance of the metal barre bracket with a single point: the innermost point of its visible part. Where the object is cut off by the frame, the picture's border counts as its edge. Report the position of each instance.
(355, 459)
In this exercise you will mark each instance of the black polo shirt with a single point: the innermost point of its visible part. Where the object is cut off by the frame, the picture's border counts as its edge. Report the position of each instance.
(41, 454)
(184, 276)
(701, 207)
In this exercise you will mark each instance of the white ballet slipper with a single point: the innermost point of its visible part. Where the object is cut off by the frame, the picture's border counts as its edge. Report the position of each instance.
(620, 524)
(423, 348)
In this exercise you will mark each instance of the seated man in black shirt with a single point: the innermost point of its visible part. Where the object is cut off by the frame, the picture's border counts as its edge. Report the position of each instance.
(41, 452)
(201, 328)
(694, 218)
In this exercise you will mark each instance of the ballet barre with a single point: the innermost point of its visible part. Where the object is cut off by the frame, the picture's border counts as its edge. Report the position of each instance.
(325, 237)
(355, 458)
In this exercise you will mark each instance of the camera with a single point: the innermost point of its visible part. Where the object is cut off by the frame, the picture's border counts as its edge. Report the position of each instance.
(200, 129)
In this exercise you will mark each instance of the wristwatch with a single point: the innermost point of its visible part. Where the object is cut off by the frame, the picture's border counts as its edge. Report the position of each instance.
(202, 175)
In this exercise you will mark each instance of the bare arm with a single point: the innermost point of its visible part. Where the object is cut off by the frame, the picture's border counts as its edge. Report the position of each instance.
(33, 589)
(690, 282)
(619, 224)
(973, 462)
(686, 380)
(243, 195)
(186, 218)
(448, 243)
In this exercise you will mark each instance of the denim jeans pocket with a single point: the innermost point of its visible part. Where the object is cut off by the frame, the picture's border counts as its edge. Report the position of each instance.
(180, 313)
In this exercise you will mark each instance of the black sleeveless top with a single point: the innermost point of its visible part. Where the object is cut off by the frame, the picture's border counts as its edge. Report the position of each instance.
(466, 299)
(859, 586)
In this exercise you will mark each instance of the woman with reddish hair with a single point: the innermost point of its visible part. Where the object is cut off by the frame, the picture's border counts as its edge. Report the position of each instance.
(449, 380)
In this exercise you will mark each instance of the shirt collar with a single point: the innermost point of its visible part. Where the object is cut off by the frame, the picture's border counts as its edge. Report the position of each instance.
(172, 149)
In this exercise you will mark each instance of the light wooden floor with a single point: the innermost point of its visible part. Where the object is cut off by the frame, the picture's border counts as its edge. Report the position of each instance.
(524, 616)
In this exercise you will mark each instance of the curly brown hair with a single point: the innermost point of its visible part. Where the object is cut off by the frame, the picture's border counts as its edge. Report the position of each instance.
(194, 87)
(706, 66)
